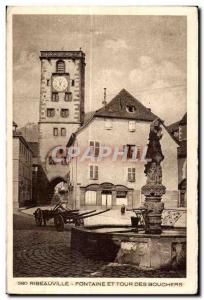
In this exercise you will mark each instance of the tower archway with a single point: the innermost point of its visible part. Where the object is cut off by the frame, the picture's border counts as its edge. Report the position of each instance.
(54, 186)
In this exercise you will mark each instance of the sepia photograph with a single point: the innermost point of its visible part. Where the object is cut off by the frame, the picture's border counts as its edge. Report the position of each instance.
(103, 107)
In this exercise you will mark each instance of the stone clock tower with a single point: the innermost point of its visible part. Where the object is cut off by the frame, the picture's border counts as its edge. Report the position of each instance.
(61, 107)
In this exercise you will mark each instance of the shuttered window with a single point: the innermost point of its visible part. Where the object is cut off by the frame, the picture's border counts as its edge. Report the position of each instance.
(50, 112)
(60, 67)
(131, 174)
(139, 152)
(95, 148)
(68, 97)
(55, 131)
(93, 172)
(132, 151)
(55, 97)
(63, 131)
(64, 113)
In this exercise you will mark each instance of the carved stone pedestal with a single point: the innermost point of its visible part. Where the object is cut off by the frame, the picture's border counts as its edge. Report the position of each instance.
(153, 207)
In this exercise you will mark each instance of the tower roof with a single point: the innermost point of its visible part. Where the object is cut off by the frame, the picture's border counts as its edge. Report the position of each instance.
(125, 106)
(183, 120)
(62, 54)
(173, 127)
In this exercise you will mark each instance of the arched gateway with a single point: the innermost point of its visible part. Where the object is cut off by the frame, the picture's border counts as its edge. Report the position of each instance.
(54, 186)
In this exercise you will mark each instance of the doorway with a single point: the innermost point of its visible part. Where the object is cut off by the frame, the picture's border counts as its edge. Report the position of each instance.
(107, 199)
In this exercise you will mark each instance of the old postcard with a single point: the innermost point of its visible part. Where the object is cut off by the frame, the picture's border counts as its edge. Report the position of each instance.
(102, 119)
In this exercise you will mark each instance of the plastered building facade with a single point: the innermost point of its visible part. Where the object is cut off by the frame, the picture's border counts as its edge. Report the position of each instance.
(22, 171)
(124, 121)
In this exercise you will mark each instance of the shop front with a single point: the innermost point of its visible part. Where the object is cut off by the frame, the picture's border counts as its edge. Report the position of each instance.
(105, 195)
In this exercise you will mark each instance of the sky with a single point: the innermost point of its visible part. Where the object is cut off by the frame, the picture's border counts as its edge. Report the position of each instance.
(146, 55)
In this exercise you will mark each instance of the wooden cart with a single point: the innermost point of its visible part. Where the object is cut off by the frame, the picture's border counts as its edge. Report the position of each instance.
(63, 216)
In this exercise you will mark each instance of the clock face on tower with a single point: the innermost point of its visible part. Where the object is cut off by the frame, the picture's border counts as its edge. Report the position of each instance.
(60, 83)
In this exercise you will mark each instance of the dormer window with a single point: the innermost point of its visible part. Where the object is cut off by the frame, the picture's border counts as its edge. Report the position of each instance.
(60, 66)
(130, 108)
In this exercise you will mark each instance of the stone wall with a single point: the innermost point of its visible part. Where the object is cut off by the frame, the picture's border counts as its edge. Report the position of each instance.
(22, 172)
(75, 72)
(75, 69)
(48, 142)
(141, 250)
(15, 172)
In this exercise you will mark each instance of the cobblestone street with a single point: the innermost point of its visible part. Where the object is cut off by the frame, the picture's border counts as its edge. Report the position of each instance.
(44, 252)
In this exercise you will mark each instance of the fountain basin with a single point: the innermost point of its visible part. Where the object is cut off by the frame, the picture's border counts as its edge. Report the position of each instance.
(122, 245)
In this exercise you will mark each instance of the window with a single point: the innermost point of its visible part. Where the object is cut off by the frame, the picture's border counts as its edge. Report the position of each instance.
(132, 126)
(55, 97)
(90, 198)
(48, 82)
(108, 124)
(139, 154)
(130, 151)
(130, 108)
(131, 174)
(68, 97)
(50, 112)
(64, 113)
(73, 83)
(63, 131)
(55, 131)
(133, 151)
(94, 172)
(95, 148)
(34, 168)
(60, 66)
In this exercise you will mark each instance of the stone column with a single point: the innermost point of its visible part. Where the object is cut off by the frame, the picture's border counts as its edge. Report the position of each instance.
(153, 207)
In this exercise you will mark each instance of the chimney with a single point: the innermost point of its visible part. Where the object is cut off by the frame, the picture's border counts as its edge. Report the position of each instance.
(104, 98)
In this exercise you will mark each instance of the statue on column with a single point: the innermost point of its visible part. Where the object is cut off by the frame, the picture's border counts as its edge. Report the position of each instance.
(153, 189)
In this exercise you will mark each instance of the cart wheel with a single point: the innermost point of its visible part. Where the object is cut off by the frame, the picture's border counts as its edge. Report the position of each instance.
(38, 217)
(59, 223)
(79, 222)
